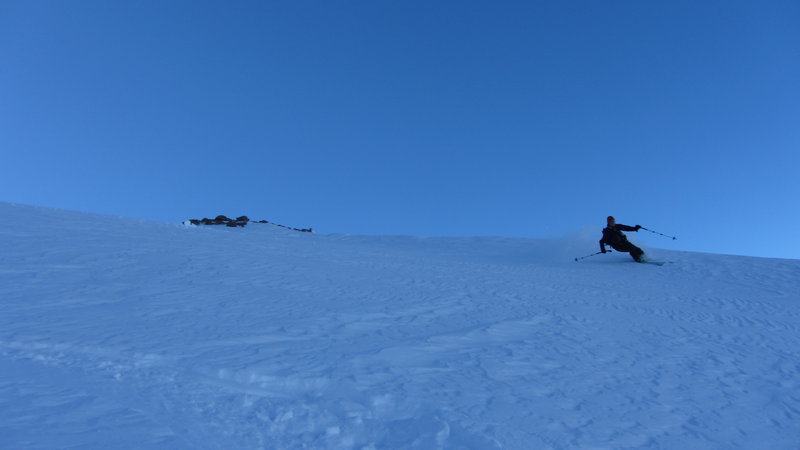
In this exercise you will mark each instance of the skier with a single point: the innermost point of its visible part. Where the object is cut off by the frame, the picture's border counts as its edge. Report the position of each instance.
(612, 235)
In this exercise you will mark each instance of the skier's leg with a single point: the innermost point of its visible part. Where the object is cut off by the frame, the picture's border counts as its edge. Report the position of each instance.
(637, 254)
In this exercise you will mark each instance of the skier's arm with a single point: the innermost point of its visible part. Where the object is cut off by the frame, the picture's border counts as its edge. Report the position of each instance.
(603, 244)
(627, 228)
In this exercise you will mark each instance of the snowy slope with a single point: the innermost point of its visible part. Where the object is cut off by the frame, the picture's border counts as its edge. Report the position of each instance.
(117, 333)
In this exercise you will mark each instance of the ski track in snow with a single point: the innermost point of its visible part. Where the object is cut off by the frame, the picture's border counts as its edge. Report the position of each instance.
(123, 333)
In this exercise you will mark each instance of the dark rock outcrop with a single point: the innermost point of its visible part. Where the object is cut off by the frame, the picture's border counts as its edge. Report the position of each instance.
(240, 222)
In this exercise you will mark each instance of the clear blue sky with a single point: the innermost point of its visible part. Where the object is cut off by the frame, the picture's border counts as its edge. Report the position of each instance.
(447, 118)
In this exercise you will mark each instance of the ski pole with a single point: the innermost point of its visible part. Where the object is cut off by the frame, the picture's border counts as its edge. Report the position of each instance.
(662, 234)
(588, 256)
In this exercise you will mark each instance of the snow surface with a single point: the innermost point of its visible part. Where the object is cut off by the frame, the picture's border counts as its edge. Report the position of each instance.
(119, 333)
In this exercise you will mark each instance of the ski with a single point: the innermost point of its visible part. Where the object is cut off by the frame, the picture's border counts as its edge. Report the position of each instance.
(657, 263)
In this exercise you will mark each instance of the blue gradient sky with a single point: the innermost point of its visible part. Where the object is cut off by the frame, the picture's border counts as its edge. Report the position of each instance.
(413, 117)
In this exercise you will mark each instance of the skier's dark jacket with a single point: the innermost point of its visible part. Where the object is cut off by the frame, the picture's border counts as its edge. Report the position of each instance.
(615, 238)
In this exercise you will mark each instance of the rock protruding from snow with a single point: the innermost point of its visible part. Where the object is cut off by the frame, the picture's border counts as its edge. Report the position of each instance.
(240, 222)
(221, 220)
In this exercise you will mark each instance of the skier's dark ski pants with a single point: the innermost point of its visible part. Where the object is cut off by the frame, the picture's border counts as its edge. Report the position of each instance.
(626, 247)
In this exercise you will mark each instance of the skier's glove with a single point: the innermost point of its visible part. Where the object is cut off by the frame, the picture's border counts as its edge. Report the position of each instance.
(637, 227)
(603, 250)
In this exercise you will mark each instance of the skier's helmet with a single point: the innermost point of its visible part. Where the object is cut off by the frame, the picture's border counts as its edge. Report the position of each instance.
(610, 219)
